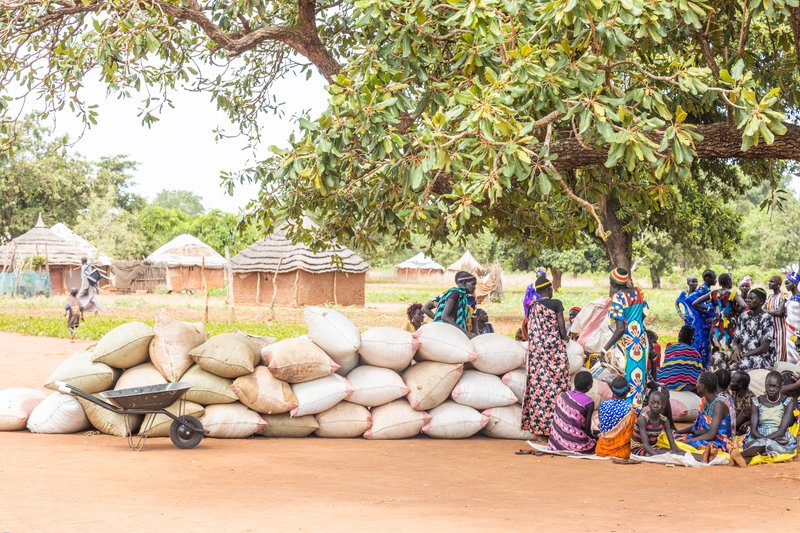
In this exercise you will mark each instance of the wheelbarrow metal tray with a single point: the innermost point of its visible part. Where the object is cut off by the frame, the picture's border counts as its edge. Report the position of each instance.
(153, 397)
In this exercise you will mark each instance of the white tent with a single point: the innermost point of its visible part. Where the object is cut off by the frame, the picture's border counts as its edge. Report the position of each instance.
(420, 262)
(186, 251)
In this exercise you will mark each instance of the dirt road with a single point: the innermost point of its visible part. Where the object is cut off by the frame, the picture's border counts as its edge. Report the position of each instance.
(93, 483)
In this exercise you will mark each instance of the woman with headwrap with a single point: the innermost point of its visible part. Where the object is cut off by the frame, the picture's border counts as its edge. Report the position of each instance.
(753, 336)
(744, 286)
(726, 305)
(547, 362)
(629, 339)
(776, 306)
(703, 316)
(457, 305)
(792, 317)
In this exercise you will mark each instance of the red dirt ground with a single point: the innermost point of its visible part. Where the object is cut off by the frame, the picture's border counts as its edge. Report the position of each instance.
(94, 483)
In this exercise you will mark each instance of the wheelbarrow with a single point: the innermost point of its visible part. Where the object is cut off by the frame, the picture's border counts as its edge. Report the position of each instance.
(186, 431)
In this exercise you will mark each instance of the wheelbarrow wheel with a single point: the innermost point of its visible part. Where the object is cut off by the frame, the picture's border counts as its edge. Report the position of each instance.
(183, 435)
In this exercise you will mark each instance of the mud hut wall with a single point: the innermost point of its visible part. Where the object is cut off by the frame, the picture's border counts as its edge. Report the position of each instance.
(57, 280)
(312, 289)
(189, 278)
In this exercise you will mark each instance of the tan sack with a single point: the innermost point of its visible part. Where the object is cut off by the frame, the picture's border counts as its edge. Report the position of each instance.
(430, 383)
(143, 375)
(264, 393)
(227, 355)
(108, 422)
(288, 426)
(169, 349)
(207, 389)
(125, 346)
(396, 420)
(443, 343)
(497, 354)
(81, 372)
(373, 386)
(16, 406)
(344, 420)
(297, 360)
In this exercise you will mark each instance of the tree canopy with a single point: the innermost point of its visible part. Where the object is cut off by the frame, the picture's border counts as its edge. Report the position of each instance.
(186, 201)
(543, 121)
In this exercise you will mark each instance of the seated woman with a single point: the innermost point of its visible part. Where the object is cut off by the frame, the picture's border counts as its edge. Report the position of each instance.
(480, 323)
(649, 426)
(571, 428)
(416, 317)
(617, 422)
(682, 363)
(713, 429)
(723, 382)
(739, 390)
(752, 345)
(773, 414)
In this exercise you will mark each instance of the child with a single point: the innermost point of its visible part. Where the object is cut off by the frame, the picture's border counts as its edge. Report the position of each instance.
(481, 323)
(773, 413)
(654, 358)
(649, 427)
(571, 428)
(74, 313)
(739, 390)
(617, 422)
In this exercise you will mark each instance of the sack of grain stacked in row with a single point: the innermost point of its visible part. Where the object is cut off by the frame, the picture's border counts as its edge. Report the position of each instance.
(444, 343)
(207, 389)
(264, 393)
(454, 421)
(109, 422)
(515, 380)
(314, 397)
(157, 425)
(82, 372)
(482, 391)
(227, 355)
(335, 334)
(297, 360)
(16, 406)
(373, 386)
(260, 341)
(286, 425)
(231, 421)
(497, 354)
(387, 347)
(57, 414)
(430, 383)
(144, 375)
(396, 420)
(125, 346)
(505, 423)
(172, 341)
(344, 420)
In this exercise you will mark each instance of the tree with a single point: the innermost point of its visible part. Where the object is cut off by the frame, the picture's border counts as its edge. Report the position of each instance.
(449, 119)
(113, 230)
(39, 176)
(186, 201)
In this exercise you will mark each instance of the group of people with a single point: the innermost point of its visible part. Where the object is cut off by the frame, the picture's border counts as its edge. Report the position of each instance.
(729, 334)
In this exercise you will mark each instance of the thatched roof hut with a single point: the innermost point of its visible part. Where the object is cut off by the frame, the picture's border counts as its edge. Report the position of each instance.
(277, 270)
(468, 263)
(189, 259)
(418, 266)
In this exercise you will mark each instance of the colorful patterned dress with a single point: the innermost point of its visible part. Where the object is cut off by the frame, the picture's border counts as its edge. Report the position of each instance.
(628, 306)
(703, 422)
(653, 432)
(751, 331)
(792, 328)
(548, 366)
(724, 303)
(568, 431)
(681, 367)
(769, 421)
(702, 324)
(778, 323)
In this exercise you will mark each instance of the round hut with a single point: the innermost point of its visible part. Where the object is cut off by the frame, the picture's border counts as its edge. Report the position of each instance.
(468, 263)
(277, 271)
(419, 266)
(188, 260)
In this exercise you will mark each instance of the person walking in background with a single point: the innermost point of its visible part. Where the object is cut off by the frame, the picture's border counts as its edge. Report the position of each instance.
(703, 316)
(776, 307)
(74, 312)
(547, 362)
(89, 294)
(629, 339)
(686, 312)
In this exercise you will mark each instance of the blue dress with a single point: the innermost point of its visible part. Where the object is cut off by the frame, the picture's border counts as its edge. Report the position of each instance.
(702, 322)
(688, 310)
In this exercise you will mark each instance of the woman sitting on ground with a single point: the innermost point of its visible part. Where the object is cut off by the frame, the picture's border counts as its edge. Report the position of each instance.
(752, 344)
(773, 414)
(713, 429)
(739, 390)
(617, 423)
(682, 363)
(723, 382)
(649, 426)
(571, 429)
(416, 317)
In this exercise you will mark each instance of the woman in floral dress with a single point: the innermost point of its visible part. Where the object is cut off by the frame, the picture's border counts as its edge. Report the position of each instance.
(630, 337)
(548, 366)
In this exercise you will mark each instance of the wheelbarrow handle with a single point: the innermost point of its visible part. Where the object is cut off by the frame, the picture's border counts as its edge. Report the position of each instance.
(63, 387)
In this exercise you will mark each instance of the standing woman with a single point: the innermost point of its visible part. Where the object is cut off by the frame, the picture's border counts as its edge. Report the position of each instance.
(776, 307)
(629, 337)
(792, 317)
(548, 366)
(726, 305)
(703, 316)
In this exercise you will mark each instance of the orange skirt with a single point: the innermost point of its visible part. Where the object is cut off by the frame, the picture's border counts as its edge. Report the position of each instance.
(617, 441)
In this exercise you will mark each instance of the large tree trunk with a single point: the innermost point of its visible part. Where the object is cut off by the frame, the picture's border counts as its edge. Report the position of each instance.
(655, 278)
(618, 244)
(557, 274)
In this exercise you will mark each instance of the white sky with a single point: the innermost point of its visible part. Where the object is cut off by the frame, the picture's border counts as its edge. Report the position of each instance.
(179, 151)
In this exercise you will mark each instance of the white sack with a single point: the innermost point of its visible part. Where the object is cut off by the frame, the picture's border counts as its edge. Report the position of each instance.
(373, 386)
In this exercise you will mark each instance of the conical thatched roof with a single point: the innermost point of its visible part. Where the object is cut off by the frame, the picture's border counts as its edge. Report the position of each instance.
(278, 254)
(41, 241)
(88, 249)
(187, 250)
(468, 263)
(420, 262)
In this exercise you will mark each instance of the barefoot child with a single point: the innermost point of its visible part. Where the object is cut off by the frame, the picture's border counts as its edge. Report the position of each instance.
(649, 427)
(617, 422)
(74, 313)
